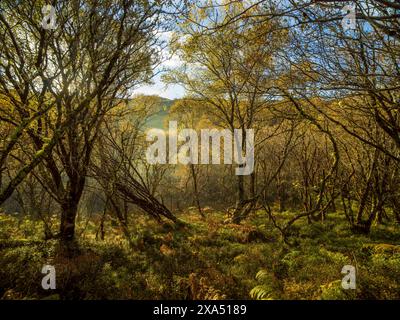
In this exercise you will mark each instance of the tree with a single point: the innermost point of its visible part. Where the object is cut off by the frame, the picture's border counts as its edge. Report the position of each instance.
(80, 71)
(230, 71)
(119, 166)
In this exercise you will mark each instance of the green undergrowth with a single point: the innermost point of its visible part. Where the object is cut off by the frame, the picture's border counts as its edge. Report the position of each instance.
(201, 259)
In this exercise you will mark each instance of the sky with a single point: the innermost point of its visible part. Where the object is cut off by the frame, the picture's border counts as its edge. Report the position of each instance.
(159, 88)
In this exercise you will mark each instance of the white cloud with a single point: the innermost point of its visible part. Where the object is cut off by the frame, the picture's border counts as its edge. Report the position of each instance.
(160, 89)
(170, 61)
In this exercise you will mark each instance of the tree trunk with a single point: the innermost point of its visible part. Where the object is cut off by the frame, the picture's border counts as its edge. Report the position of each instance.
(241, 194)
(68, 215)
(69, 206)
(122, 222)
(196, 191)
(144, 200)
(253, 184)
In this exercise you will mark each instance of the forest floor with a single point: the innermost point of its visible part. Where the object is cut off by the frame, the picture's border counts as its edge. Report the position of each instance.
(204, 259)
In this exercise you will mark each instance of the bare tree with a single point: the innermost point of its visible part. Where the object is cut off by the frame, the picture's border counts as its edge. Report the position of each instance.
(79, 72)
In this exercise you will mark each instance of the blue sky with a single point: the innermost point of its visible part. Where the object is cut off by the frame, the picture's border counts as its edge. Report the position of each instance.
(159, 88)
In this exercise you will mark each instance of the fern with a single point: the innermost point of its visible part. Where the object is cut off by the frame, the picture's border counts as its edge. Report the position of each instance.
(260, 292)
(262, 275)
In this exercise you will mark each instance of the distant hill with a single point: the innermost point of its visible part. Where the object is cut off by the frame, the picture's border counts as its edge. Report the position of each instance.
(157, 120)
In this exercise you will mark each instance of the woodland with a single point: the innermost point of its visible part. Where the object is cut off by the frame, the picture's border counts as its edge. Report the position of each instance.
(318, 82)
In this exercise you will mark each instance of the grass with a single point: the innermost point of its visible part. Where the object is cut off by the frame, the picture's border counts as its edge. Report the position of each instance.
(205, 259)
